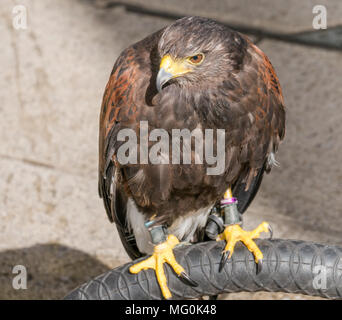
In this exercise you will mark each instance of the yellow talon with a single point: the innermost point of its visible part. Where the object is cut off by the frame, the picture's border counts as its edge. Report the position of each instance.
(234, 233)
(162, 253)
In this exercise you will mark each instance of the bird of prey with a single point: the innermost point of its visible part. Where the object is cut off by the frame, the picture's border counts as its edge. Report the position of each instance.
(196, 74)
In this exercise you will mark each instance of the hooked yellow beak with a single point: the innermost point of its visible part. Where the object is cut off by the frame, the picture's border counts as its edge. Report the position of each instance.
(169, 69)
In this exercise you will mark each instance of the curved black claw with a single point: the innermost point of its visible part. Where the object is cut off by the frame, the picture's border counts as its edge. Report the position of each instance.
(259, 266)
(224, 260)
(270, 230)
(187, 280)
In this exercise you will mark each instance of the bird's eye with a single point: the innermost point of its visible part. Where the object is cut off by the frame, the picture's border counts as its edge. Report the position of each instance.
(196, 59)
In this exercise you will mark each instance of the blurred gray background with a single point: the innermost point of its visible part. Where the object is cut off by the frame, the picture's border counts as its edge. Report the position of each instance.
(51, 83)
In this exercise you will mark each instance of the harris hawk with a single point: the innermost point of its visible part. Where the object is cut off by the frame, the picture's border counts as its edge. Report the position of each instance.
(196, 74)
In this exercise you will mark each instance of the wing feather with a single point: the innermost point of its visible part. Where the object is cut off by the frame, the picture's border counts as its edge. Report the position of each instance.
(119, 110)
(264, 109)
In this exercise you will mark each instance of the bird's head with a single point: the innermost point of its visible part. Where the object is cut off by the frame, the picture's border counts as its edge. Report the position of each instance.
(196, 50)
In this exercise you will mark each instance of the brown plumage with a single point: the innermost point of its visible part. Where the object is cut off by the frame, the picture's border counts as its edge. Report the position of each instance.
(235, 88)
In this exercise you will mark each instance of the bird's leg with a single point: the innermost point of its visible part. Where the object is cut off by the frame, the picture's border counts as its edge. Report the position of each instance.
(163, 252)
(233, 232)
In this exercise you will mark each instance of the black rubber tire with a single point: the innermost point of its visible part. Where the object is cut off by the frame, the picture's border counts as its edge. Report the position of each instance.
(288, 266)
